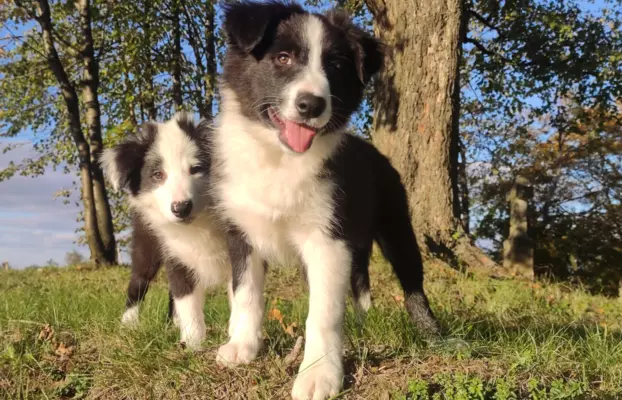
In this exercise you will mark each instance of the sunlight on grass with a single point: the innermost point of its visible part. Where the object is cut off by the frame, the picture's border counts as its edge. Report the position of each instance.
(60, 336)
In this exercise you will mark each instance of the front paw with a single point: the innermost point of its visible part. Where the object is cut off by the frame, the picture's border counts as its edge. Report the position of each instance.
(318, 381)
(234, 353)
(130, 317)
(192, 336)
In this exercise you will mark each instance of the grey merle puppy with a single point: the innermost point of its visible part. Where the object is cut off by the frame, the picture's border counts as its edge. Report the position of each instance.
(165, 168)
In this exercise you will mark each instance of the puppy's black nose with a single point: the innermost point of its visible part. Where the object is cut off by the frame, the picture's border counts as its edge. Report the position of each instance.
(309, 105)
(181, 209)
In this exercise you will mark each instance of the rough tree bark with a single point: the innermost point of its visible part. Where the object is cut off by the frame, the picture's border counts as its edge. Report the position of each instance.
(416, 120)
(148, 93)
(43, 17)
(178, 101)
(90, 87)
(210, 56)
(518, 247)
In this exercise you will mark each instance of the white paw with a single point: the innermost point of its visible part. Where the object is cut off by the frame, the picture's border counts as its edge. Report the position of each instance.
(363, 303)
(318, 381)
(232, 325)
(130, 317)
(192, 336)
(232, 353)
(176, 321)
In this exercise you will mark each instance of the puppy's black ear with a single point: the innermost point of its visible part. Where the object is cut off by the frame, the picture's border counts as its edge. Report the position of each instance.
(370, 58)
(123, 163)
(246, 22)
(368, 50)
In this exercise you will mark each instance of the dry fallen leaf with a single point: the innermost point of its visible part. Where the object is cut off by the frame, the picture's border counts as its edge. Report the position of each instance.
(290, 329)
(46, 333)
(64, 351)
(275, 315)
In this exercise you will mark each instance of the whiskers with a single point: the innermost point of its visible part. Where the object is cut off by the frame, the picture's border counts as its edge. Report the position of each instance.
(271, 101)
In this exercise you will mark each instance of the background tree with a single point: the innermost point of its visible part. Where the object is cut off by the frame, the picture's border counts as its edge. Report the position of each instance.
(73, 258)
(542, 99)
(475, 92)
(39, 53)
(417, 114)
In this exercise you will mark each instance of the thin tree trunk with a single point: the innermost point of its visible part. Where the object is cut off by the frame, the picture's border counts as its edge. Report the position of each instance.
(199, 79)
(416, 118)
(70, 97)
(177, 56)
(149, 96)
(90, 86)
(463, 186)
(211, 57)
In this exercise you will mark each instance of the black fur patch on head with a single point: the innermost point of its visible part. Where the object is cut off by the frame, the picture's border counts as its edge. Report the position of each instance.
(135, 162)
(248, 23)
(368, 51)
(259, 32)
(130, 157)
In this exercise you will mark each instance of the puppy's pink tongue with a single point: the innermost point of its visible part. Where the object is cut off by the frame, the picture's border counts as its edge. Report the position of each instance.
(298, 137)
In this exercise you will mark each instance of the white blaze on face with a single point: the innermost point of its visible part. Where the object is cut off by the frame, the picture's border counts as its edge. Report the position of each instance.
(313, 78)
(178, 153)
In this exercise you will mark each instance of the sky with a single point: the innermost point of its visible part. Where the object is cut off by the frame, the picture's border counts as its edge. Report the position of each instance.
(35, 226)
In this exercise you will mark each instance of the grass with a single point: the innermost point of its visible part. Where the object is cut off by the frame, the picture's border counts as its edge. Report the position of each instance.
(503, 339)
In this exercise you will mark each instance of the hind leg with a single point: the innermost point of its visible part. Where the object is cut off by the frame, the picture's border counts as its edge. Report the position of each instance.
(360, 279)
(146, 262)
(398, 243)
(399, 247)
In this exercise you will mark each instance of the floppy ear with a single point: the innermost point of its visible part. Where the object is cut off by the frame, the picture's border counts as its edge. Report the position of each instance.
(122, 163)
(370, 57)
(246, 22)
(368, 50)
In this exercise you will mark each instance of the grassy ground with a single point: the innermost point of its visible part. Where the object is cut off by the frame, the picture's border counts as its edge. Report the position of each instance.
(503, 339)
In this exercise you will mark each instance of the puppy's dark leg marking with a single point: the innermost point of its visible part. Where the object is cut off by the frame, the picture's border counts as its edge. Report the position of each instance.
(398, 243)
(146, 262)
(247, 302)
(189, 299)
(171, 307)
(181, 280)
(359, 279)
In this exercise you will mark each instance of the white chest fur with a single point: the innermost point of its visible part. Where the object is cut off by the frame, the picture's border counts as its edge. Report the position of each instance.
(269, 193)
(199, 245)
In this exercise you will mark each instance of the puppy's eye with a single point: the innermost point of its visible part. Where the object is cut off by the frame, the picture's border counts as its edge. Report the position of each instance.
(158, 175)
(336, 63)
(195, 169)
(284, 58)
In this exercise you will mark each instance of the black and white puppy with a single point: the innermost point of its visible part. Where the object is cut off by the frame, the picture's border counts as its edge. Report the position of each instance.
(293, 185)
(165, 168)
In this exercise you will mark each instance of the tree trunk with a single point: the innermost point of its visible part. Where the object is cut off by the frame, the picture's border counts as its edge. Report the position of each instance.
(518, 248)
(90, 86)
(210, 56)
(68, 91)
(463, 188)
(148, 94)
(416, 119)
(177, 56)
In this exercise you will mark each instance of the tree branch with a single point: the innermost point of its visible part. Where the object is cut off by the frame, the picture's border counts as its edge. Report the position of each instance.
(485, 21)
(485, 50)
